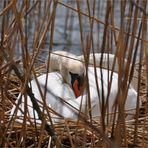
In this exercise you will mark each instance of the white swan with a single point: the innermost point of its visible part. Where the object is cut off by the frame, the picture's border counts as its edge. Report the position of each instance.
(56, 88)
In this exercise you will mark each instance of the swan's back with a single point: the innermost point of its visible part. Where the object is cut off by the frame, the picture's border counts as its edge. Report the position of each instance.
(131, 99)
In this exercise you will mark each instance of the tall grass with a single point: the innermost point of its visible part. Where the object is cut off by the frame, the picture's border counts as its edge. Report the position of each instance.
(28, 34)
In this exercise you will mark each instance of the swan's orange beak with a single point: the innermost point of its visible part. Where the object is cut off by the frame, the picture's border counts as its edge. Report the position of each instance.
(77, 83)
(77, 90)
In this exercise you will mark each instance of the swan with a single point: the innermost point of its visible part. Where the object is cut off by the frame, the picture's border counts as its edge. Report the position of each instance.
(57, 88)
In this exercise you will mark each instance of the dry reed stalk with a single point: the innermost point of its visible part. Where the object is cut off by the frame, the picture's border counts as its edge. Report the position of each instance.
(87, 131)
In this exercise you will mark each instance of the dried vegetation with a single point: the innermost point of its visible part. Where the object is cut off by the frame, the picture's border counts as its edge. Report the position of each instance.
(27, 29)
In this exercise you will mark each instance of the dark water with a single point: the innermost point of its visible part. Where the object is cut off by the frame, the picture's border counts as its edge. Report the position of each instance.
(66, 30)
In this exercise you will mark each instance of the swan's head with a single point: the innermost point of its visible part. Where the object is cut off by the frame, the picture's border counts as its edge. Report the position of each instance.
(73, 72)
(71, 69)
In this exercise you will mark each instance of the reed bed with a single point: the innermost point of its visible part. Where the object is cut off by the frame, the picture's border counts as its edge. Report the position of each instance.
(28, 36)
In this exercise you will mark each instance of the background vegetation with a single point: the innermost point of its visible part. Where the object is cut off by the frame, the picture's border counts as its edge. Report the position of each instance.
(28, 34)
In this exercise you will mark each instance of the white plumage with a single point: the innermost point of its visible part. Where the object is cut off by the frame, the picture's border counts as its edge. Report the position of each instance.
(56, 89)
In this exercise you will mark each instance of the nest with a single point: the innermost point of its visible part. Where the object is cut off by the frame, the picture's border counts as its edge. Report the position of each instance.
(69, 133)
